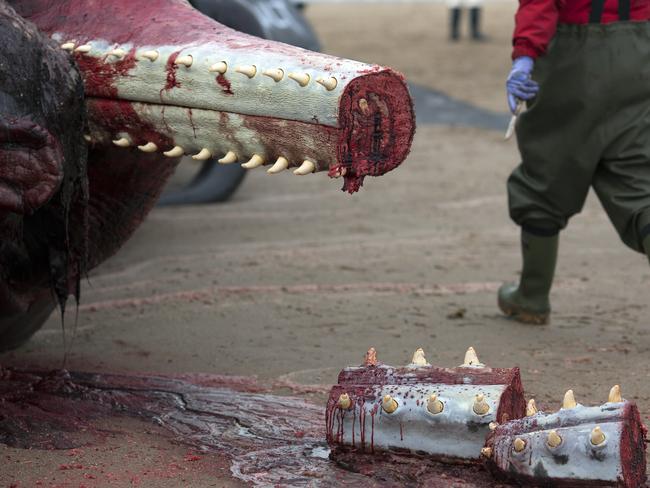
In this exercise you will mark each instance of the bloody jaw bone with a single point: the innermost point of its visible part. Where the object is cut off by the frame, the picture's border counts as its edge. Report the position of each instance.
(576, 446)
(444, 413)
(164, 78)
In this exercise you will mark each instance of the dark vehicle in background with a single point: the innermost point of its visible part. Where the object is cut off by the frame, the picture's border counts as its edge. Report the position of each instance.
(276, 20)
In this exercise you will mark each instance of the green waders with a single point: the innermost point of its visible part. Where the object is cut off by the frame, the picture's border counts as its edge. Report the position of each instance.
(588, 126)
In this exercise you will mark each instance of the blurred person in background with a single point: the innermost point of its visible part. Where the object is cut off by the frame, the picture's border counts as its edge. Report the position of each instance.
(583, 66)
(455, 15)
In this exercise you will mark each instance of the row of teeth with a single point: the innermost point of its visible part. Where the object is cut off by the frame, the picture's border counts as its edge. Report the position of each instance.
(471, 359)
(569, 400)
(255, 161)
(419, 360)
(187, 60)
(434, 405)
(553, 441)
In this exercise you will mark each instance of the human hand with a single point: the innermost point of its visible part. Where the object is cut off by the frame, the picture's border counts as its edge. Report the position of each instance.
(520, 85)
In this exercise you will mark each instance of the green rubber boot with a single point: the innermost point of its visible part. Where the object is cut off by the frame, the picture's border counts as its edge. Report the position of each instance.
(528, 302)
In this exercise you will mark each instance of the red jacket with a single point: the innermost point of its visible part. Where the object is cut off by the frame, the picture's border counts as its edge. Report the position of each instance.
(536, 20)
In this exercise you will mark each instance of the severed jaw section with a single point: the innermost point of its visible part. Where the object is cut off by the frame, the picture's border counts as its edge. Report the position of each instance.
(476, 414)
(162, 77)
(445, 413)
(576, 446)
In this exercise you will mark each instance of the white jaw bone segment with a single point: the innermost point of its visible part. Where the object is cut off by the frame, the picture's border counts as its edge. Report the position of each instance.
(409, 419)
(580, 444)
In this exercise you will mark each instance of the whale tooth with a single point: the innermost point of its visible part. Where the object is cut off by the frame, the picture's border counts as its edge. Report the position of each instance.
(434, 405)
(149, 147)
(301, 78)
(389, 404)
(186, 60)
(280, 165)
(230, 157)
(329, 83)
(418, 358)
(305, 168)
(480, 406)
(370, 359)
(344, 401)
(615, 394)
(118, 53)
(83, 49)
(174, 152)
(363, 105)
(221, 67)
(122, 142)
(553, 439)
(203, 155)
(68, 46)
(150, 55)
(569, 400)
(493, 425)
(519, 445)
(87, 138)
(531, 408)
(248, 70)
(254, 162)
(275, 74)
(486, 452)
(597, 437)
(471, 359)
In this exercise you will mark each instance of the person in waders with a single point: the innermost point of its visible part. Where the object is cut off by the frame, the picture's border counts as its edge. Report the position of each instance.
(583, 66)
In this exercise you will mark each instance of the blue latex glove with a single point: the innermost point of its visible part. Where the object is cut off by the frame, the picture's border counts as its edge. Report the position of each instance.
(520, 85)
